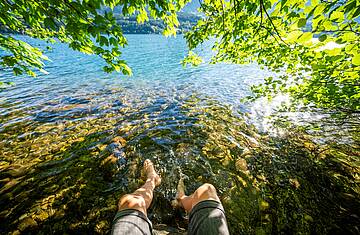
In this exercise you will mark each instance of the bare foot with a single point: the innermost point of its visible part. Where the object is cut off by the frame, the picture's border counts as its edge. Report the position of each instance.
(180, 194)
(151, 173)
(180, 189)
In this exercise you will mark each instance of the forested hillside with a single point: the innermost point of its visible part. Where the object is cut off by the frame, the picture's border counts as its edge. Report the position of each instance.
(130, 25)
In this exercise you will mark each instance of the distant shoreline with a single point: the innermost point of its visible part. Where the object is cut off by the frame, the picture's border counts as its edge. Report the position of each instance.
(129, 25)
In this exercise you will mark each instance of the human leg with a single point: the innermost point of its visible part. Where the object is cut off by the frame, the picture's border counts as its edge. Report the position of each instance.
(132, 208)
(141, 199)
(206, 213)
(204, 192)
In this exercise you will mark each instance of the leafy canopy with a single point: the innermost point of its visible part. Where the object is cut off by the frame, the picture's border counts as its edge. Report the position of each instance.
(313, 45)
(88, 26)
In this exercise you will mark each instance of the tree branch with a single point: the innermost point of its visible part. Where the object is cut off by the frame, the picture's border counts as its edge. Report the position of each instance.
(223, 16)
(336, 31)
(267, 14)
(261, 21)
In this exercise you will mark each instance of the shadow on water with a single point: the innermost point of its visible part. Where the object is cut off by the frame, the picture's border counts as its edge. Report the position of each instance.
(68, 177)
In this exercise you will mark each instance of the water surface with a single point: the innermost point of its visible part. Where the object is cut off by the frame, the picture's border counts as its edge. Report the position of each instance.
(73, 141)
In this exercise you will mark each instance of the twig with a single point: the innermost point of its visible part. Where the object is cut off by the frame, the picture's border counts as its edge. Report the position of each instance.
(269, 31)
(335, 31)
(261, 21)
(235, 11)
(201, 4)
(267, 14)
(223, 16)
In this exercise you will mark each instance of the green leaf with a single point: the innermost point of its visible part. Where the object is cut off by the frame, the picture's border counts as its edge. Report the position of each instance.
(328, 25)
(142, 16)
(50, 23)
(337, 15)
(349, 36)
(301, 22)
(305, 37)
(323, 37)
(293, 36)
(319, 9)
(126, 70)
(113, 41)
(356, 13)
(104, 41)
(17, 71)
(192, 59)
(356, 59)
(351, 49)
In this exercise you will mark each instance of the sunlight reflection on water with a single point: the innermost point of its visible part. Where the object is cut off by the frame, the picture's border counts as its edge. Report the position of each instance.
(58, 132)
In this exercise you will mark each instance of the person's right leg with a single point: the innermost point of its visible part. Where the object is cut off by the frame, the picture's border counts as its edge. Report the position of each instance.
(141, 199)
(131, 217)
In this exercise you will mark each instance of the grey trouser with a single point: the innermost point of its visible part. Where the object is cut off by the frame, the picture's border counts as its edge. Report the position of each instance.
(207, 217)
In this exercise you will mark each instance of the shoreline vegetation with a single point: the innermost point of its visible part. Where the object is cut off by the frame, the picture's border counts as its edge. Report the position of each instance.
(130, 25)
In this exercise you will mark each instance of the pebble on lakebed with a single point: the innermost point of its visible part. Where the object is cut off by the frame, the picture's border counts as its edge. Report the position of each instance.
(27, 223)
(241, 165)
(113, 158)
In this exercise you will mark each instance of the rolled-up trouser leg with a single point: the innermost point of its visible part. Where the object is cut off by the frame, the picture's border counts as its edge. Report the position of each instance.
(208, 218)
(131, 221)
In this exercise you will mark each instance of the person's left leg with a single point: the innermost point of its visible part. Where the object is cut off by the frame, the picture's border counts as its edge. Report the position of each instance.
(132, 208)
(141, 199)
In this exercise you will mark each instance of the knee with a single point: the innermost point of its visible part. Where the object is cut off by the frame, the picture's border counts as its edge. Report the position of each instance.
(209, 188)
(207, 191)
(132, 201)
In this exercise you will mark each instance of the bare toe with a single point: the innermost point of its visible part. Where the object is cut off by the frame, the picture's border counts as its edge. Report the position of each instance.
(150, 172)
(180, 194)
(180, 189)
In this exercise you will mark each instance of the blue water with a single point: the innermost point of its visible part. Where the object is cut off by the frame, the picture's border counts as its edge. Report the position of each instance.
(157, 72)
(164, 111)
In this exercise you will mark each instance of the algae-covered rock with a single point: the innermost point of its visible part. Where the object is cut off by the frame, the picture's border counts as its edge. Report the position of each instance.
(264, 205)
(163, 229)
(295, 183)
(112, 165)
(241, 165)
(16, 232)
(42, 215)
(27, 223)
(15, 171)
(309, 218)
(114, 159)
(120, 140)
(10, 184)
(101, 225)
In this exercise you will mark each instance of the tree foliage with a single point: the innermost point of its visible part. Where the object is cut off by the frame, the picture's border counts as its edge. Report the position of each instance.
(314, 46)
(83, 24)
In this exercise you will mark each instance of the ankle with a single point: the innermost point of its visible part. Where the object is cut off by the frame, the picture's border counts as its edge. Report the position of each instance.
(151, 178)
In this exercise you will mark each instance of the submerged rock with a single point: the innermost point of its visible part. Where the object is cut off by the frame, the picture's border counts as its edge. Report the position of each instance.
(16, 232)
(117, 144)
(15, 171)
(27, 223)
(163, 229)
(42, 215)
(241, 165)
(9, 185)
(114, 159)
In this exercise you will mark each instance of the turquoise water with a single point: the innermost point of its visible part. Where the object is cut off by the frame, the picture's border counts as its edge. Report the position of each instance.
(73, 141)
(155, 61)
